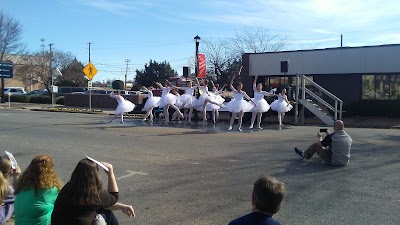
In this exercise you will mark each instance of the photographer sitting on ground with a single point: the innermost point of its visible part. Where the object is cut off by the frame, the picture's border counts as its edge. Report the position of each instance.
(334, 149)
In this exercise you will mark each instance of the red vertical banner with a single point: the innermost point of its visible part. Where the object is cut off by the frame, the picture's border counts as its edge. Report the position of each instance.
(202, 66)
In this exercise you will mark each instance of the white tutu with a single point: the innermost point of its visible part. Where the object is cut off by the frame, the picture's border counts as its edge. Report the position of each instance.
(179, 102)
(238, 105)
(281, 106)
(124, 106)
(211, 97)
(262, 105)
(216, 98)
(151, 103)
(168, 99)
(200, 101)
(188, 101)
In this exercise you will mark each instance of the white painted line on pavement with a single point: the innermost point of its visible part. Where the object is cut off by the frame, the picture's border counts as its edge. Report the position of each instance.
(131, 173)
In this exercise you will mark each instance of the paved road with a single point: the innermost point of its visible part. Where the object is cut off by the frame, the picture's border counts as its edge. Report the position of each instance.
(203, 174)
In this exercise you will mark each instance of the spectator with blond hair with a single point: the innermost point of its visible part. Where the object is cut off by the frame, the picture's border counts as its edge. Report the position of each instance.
(6, 190)
(268, 194)
(36, 191)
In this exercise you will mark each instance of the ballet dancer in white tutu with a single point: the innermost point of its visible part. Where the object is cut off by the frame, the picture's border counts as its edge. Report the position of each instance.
(238, 105)
(205, 99)
(168, 100)
(189, 101)
(151, 103)
(217, 98)
(262, 104)
(178, 103)
(123, 106)
(281, 105)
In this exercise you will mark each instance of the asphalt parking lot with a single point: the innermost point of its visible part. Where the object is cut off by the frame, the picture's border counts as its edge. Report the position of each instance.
(202, 174)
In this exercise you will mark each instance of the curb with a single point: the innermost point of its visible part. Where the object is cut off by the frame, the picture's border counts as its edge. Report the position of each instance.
(65, 111)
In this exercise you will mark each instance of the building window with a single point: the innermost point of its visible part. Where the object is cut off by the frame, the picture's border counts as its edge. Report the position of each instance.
(395, 87)
(368, 84)
(381, 87)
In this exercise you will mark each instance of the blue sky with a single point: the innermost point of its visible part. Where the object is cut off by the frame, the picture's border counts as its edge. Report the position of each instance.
(164, 29)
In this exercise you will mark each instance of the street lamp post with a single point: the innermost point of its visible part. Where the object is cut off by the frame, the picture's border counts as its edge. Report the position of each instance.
(197, 40)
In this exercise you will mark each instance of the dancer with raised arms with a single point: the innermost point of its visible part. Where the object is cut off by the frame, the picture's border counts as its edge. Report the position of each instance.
(205, 98)
(189, 101)
(123, 106)
(168, 99)
(217, 98)
(238, 105)
(262, 104)
(151, 103)
(281, 105)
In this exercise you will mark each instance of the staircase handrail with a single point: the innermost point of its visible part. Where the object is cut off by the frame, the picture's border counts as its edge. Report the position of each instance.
(319, 99)
(312, 94)
(322, 89)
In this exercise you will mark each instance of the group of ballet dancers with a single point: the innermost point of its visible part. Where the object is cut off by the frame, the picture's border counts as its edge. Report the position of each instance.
(208, 101)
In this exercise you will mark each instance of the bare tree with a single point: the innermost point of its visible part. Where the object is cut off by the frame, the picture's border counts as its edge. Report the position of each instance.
(10, 40)
(218, 56)
(258, 39)
(39, 66)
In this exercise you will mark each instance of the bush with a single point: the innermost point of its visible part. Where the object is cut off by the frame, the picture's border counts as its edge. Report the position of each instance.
(18, 98)
(60, 101)
(43, 99)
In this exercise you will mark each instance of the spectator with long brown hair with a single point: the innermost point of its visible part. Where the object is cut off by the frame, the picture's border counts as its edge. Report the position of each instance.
(36, 191)
(6, 190)
(83, 198)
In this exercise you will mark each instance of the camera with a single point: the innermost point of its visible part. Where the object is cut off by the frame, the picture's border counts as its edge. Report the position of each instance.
(323, 130)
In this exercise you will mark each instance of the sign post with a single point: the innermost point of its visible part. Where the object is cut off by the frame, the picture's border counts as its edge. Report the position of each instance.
(90, 71)
(6, 71)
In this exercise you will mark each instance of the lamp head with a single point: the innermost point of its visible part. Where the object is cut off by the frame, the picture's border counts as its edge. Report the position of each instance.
(197, 38)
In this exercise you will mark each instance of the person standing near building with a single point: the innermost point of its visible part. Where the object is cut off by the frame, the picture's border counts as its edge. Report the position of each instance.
(334, 149)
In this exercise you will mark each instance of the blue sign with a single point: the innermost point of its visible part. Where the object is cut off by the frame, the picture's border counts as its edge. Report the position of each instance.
(6, 69)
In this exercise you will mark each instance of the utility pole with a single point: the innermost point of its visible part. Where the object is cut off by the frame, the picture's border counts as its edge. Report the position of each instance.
(126, 72)
(51, 75)
(89, 43)
(90, 84)
(42, 45)
(341, 40)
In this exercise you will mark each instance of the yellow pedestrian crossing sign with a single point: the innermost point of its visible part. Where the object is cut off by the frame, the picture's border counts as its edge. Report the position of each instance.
(90, 70)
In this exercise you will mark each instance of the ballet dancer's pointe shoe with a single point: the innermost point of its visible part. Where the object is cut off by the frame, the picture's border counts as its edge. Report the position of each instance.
(230, 128)
(251, 127)
(260, 128)
(240, 129)
(122, 122)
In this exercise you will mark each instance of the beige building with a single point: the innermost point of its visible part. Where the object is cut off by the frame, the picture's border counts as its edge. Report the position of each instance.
(23, 76)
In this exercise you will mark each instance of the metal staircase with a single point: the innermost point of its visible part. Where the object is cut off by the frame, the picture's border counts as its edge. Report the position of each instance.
(321, 108)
